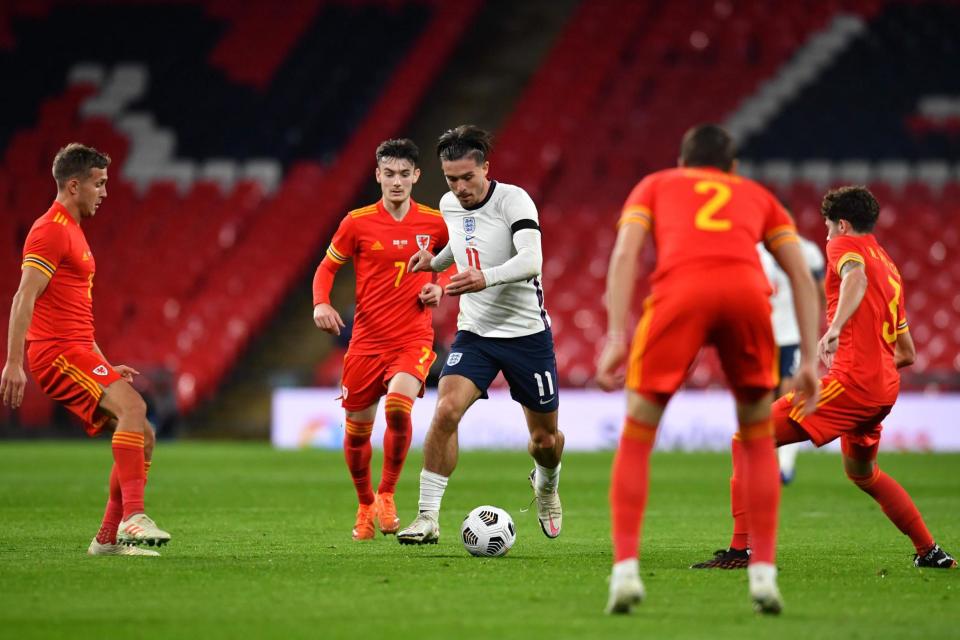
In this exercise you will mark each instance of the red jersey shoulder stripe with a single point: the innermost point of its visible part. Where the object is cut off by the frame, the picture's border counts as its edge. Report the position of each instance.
(850, 256)
(363, 211)
(429, 211)
(636, 214)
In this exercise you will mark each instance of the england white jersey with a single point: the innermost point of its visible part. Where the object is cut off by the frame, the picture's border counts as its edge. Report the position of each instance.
(482, 237)
(784, 318)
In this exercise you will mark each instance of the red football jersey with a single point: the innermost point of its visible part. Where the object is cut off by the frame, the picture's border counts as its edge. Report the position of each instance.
(864, 360)
(703, 217)
(388, 313)
(57, 248)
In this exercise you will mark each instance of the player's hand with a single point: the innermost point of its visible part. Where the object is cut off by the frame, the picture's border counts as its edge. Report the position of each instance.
(12, 383)
(430, 295)
(610, 376)
(827, 347)
(420, 261)
(126, 372)
(806, 384)
(467, 281)
(327, 318)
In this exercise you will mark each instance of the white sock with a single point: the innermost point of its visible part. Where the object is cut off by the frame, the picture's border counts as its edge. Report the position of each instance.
(546, 480)
(787, 455)
(762, 575)
(626, 568)
(432, 486)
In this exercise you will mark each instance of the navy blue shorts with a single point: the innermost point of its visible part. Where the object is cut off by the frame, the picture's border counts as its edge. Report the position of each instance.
(789, 360)
(528, 363)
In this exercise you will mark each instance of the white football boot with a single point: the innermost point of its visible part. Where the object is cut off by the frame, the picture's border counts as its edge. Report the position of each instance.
(549, 510)
(425, 529)
(763, 588)
(626, 588)
(97, 549)
(140, 529)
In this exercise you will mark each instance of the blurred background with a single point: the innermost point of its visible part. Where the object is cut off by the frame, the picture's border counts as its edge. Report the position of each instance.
(242, 131)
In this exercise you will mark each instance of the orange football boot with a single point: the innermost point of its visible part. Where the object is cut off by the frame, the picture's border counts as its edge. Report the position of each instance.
(387, 513)
(364, 528)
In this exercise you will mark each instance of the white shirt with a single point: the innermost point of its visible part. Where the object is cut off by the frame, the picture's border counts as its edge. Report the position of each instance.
(503, 228)
(784, 318)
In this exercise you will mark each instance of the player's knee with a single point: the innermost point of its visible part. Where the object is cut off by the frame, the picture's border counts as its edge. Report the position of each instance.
(543, 439)
(447, 415)
(149, 440)
(863, 478)
(133, 410)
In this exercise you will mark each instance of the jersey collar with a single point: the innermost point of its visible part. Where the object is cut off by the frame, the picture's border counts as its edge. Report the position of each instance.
(493, 185)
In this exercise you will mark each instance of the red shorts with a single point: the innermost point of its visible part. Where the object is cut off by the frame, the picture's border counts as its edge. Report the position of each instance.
(839, 414)
(681, 317)
(365, 377)
(75, 377)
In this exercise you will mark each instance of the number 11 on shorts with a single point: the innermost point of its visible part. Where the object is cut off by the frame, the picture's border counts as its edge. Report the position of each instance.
(539, 380)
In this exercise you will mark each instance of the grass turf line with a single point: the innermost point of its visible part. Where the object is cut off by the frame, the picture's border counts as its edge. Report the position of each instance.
(261, 548)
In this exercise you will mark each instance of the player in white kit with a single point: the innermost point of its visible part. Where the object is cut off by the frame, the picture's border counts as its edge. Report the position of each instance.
(503, 326)
(787, 333)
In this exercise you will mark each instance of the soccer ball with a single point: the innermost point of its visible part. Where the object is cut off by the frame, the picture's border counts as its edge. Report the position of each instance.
(488, 531)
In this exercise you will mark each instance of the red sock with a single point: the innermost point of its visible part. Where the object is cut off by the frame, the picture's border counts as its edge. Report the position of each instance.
(396, 441)
(357, 451)
(761, 488)
(113, 513)
(738, 501)
(897, 505)
(128, 458)
(628, 487)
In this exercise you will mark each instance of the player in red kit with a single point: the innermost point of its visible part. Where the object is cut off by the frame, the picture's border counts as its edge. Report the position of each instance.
(708, 288)
(391, 348)
(866, 342)
(53, 311)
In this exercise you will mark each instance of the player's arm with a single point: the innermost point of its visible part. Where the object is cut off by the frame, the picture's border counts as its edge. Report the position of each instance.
(527, 264)
(33, 282)
(786, 250)
(621, 279)
(341, 249)
(904, 351)
(432, 292)
(853, 286)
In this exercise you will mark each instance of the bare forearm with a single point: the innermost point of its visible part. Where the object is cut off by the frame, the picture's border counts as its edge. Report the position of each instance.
(21, 312)
(852, 289)
(619, 295)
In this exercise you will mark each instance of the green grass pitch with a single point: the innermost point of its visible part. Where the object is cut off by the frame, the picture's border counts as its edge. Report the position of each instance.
(261, 548)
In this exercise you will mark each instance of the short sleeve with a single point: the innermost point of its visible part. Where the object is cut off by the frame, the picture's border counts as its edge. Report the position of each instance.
(344, 243)
(638, 209)
(520, 212)
(778, 228)
(45, 247)
(902, 325)
(842, 250)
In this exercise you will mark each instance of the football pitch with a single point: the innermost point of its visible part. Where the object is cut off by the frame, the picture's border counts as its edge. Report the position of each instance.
(261, 549)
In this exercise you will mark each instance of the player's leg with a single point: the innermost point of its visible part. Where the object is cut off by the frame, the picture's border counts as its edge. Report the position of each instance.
(629, 483)
(745, 345)
(465, 377)
(860, 465)
(131, 437)
(455, 395)
(362, 384)
(105, 542)
(406, 376)
(737, 553)
(665, 343)
(787, 454)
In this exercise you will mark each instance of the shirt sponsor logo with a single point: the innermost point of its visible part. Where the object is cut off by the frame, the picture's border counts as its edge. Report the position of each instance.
(101, 371)
(454, 358)
(469, 225)
(423, 241)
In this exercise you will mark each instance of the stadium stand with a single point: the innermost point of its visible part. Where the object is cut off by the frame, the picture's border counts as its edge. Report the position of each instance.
(227, 176)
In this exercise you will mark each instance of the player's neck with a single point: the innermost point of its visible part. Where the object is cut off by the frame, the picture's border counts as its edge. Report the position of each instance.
(71, 207)
(398, 211)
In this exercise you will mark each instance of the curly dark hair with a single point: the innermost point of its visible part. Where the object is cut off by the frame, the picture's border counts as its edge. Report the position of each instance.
(399, 148)
(708, 145)
(854, 204)
(467, 140)
(75, 161)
